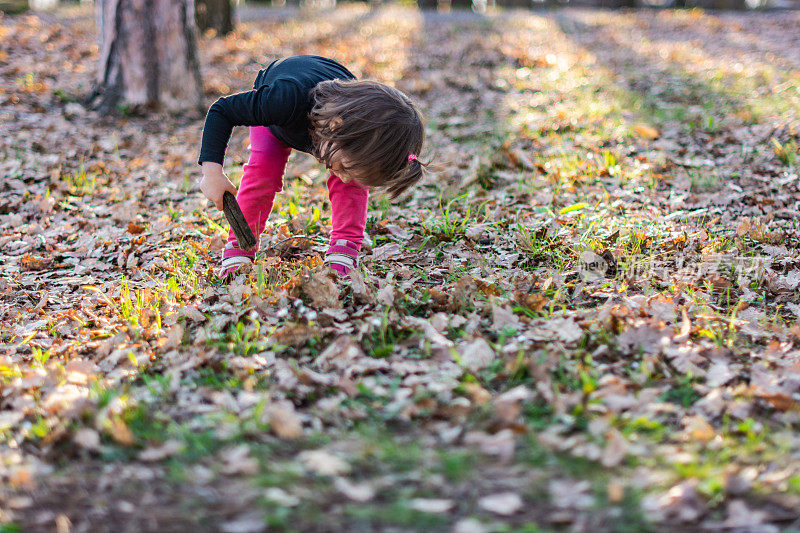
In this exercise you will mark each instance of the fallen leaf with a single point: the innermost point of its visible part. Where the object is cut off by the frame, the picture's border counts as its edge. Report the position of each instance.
(323, 291)
(502, 444)
(430, 332)
(476, 354)
(80, 371)
(696, 428)
(357, 492)
(571, 494)
(386, 295)
(249, 522)
(503, 318)
(719, 373)
(503, 503)
(477, 394)
(469, 525)
(386, 251)
(283, 420)
(557, 329)
(340, 354)
(21, 476)
(134, 228)
(646, 132)
(237, 460)
(120, 432)
(616, 448)
(159, 453)
(323, 463)
(615, 492)
(87, 438)
(431, 505)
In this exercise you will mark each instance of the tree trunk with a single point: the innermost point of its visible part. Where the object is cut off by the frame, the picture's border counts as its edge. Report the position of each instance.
(148, 56)
(214, 15)
(12, 7)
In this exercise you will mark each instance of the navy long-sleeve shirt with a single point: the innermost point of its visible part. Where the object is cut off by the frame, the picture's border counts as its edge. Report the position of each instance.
(280, 100)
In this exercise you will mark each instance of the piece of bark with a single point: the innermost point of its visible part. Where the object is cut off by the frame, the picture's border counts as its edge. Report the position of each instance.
(247, 241)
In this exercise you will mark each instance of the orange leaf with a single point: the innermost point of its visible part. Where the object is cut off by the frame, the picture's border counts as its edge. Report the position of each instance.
(645, 131)
(781, 402)
(21, 477)
(478, 394)
(488, 288)
(120, 432)
(29, 262)
(134, 228)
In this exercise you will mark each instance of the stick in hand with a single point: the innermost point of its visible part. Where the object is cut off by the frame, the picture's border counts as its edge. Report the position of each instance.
(247, 241)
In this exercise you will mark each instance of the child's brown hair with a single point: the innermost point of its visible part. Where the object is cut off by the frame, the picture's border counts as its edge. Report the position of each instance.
(375, 127)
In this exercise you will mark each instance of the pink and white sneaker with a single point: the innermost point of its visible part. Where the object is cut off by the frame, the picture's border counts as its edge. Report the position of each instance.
(233, 258)
(342, 256)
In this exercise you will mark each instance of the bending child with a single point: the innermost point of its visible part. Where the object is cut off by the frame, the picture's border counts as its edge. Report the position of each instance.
(366, 133)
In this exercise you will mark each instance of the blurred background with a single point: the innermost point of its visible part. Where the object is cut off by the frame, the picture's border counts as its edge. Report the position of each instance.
(219, 15)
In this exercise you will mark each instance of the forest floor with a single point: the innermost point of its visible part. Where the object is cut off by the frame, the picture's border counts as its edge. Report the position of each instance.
(586, 319)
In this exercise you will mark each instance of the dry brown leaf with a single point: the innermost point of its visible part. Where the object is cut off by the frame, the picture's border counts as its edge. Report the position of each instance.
(323, 463)
(646, 132)
(477, 394)
(616, 448)
(386, 251)
(80, 371)
(237, 460)
(322, 289)
(21, 477)
(294, 334)
(502, 503)
(159, 453)
(283, 420)
(134, 228)
(431, 505)
(29, 262)
(476, 354)
(697, 428)
(87, 438)
(615, 491)
(502, 444)
(357, 492)
(504, 318)
(120, 432)
(340, 354)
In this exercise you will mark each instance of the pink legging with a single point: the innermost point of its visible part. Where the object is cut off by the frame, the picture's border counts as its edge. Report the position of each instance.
(263, 177)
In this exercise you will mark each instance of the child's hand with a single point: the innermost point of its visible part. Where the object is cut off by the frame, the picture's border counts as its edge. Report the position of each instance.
(215, 183)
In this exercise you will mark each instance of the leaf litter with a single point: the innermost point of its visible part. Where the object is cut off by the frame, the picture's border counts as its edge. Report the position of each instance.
(587, 317)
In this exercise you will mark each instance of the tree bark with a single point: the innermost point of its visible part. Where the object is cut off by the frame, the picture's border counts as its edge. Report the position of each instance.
(214, 15)
(12, 7)
(148, 56)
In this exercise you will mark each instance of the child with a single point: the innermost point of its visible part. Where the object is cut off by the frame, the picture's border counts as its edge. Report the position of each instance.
(366, 133)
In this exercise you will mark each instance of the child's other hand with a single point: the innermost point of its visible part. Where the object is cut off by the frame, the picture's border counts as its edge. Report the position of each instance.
(215, 183)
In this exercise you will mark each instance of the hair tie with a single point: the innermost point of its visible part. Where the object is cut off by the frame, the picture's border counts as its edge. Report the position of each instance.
(411, 158)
